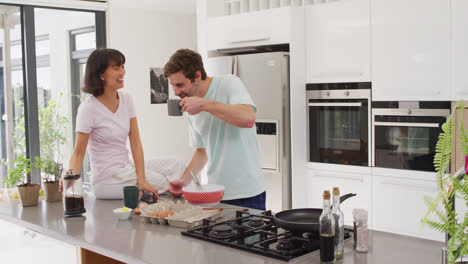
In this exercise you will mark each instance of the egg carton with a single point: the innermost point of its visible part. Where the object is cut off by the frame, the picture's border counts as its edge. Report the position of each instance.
(162, 206)
(193, 217)
(185, 215)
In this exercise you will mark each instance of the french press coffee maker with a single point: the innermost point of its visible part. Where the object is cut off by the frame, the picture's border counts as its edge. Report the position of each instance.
(73, 201)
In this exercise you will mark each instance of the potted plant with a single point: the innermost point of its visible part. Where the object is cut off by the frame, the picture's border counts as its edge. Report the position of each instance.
(28, 193)
(441, 214)
(51, 137)
(51, 174)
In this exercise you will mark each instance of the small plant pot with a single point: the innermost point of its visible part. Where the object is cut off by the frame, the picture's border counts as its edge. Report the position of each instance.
(29, 195)
(51, 190)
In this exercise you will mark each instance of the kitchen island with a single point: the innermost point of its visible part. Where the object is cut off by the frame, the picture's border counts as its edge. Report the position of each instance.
(135, 241)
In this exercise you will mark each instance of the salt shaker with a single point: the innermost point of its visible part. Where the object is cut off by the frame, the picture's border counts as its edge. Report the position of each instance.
(360, 230)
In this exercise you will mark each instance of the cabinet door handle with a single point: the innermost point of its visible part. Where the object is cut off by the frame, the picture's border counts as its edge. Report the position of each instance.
(336, 74)
(406, 124)
(249, 40)
(335, 104)
(409, 185)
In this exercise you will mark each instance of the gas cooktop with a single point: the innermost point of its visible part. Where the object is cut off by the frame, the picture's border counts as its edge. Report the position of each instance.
(257, 233)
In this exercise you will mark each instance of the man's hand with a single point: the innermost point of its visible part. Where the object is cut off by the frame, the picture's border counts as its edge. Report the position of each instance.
(175, 187)
(194, 105)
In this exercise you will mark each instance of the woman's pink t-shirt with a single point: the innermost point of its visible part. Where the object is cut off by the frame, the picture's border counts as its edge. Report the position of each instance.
(108, 133)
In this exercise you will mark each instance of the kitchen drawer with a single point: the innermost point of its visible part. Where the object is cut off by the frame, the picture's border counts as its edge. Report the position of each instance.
(15, 241)
(398, 206)
(318, 181)
(251, 29)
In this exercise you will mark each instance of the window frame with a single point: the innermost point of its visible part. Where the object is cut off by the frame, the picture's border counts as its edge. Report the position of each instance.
(30, 63)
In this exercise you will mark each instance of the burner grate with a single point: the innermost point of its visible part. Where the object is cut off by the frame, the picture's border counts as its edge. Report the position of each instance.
(256, 233)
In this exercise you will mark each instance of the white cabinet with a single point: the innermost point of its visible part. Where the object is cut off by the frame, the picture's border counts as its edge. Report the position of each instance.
(21, 245)
(460, 49)
(411, 50)
(338, 42)
(398, 206)
(318, 181)
(250, 29)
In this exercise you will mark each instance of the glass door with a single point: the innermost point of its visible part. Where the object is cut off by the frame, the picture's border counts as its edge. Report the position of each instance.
(406, 142)
(67, 46)
(37, 55)
(12, 121)
(338, 131)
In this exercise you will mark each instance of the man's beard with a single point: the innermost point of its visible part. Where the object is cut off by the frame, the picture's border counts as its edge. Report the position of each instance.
(191, 92)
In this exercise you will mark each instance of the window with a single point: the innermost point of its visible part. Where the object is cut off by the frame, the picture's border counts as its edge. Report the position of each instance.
(12, 129)
(44, 69)
(82, 43)
(61, 79)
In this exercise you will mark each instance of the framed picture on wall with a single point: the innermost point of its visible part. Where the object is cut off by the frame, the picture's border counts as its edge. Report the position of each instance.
(159, 86)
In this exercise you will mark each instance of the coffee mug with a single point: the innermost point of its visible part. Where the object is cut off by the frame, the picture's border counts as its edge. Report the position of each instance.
(173, 107)
(131, 195)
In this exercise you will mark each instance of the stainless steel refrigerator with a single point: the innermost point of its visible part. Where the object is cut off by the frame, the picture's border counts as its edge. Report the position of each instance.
(266, 77)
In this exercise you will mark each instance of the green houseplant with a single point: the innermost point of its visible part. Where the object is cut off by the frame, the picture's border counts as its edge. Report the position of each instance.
(52, 136)
(28, 193)
(51, 171)
(441, 214)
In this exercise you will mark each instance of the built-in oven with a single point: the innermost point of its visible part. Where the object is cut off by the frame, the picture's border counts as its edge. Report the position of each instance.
(405, 133)
(338, 127)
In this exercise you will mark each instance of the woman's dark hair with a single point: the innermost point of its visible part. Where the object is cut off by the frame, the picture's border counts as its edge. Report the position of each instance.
(187, 61)
(97, 63)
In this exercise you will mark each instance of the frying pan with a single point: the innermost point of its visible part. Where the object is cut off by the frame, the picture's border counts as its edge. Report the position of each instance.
(304, 219)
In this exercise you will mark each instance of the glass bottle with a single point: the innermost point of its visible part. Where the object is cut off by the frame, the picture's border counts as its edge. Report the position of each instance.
(339, 224)
(327, 231)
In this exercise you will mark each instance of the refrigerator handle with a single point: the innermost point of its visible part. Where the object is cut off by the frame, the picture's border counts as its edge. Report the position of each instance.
(234, 65)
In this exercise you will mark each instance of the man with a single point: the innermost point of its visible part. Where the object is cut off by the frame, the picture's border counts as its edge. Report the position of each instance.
(222, 129)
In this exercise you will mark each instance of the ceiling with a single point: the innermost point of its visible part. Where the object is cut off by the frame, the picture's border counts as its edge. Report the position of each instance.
(172, 6)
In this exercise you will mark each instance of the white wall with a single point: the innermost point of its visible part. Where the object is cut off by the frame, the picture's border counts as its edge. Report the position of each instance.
(148, 38)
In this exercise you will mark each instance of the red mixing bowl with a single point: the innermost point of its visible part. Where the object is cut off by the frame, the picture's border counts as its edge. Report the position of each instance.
(203, 194)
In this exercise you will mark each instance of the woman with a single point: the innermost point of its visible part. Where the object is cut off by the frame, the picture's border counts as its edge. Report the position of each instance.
(105, 120)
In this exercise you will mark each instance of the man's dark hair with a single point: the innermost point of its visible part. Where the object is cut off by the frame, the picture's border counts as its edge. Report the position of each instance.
(187, 61)
(97, 63)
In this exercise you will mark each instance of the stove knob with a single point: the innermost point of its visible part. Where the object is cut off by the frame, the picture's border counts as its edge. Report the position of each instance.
(328, 93)
(346, 93)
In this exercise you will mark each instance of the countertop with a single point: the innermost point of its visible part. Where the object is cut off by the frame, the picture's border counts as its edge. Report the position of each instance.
(135, 241)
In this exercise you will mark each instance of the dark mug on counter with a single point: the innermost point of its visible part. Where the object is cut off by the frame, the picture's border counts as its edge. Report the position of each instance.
(131, 196)
(173, 107)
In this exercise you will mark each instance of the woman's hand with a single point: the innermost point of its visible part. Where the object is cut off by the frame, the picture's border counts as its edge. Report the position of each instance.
(150, 188)
(61, 181)
(60, 184)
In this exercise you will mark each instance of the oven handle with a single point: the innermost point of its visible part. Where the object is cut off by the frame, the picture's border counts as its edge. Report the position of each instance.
(406, 124)
(335, 104)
